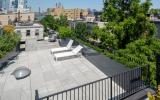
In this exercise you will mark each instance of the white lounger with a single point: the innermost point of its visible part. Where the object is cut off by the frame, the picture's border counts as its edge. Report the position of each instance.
(74, 52)
(68, 47)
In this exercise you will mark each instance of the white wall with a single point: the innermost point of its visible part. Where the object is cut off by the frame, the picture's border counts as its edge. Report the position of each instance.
(90, 19)
(101, 24)
(32, 33)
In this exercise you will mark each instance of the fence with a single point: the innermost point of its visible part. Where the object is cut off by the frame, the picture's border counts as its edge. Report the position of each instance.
(116, 87)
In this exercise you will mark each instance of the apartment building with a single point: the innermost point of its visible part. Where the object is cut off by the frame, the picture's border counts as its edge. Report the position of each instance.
(72, 14)
(8, 18)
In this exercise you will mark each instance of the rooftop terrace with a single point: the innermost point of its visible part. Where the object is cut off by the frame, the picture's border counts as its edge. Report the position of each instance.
(49, 76)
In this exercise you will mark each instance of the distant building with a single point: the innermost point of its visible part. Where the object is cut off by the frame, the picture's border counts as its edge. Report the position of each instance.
(5, 19)
(21, 5)
(30, 31)
(72, 14)
(15, 11)
(90, 25)
(14, 5)
(1, 4)
(97, 15)
(90, 18)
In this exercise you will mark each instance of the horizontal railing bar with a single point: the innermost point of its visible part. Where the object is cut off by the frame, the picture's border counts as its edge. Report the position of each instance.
(75, 88)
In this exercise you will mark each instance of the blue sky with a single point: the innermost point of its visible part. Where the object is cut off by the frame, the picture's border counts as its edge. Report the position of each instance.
(93, 4)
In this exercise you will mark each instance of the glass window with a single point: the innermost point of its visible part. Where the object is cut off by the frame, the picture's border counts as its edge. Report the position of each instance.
(28, 33)
(36, 32)
(18, 31)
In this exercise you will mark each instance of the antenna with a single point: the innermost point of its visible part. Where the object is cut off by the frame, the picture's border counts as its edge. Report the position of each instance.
(39, 10)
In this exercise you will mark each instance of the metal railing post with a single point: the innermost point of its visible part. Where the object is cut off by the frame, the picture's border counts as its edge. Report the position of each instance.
(111, 87)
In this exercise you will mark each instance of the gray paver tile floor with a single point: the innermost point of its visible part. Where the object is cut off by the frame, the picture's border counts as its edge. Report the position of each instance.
(47, 75)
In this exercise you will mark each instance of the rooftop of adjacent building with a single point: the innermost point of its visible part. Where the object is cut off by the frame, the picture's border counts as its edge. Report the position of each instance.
(28, 25)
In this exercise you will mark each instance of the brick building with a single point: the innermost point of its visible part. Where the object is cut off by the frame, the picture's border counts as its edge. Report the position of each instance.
(72, 14)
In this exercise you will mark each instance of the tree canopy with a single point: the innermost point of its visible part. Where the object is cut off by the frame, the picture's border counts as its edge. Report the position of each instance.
(141, 52)
(54, 23)
(8, 29)
(155, 12)
(8, 40)
(65, 32)
(80, 30)
(128, 20)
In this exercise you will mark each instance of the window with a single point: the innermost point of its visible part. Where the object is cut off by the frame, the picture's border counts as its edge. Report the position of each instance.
(29, 18)
(28, 33)
(13, 3)
(8, 17)
(36, 32)
(18, 31)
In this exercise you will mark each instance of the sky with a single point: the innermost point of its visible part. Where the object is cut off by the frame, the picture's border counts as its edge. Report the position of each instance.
(93, 4)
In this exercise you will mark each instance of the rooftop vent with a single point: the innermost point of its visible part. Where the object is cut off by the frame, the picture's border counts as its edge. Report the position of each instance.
(21, 73)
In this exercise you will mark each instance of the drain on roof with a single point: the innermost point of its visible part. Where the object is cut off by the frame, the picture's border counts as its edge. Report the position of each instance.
(21, 72)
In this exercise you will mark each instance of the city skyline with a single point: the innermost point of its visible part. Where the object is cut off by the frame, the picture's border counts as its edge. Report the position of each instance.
(97, 4)
(35, 4)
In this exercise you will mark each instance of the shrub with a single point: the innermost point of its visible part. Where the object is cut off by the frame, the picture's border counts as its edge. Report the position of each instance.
(8, 29)
(156, 96)
(8, 41)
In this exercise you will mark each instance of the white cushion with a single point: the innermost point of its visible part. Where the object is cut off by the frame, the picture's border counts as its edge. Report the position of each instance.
(64, 54)
(59, 49)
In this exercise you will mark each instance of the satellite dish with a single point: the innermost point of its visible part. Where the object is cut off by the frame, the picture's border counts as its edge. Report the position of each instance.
(21, 72)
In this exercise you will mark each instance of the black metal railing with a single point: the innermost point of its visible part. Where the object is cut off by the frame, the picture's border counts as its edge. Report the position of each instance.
(116, 87)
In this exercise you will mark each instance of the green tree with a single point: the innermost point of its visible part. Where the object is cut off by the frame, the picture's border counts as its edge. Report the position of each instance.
(81, 30)
(141, 52)
(127, 20)
(108, 41)
(154, 11)
(8, 29)
(54, 23)
(96, 33)
(8, 41)
(49, 22)
(63, 21)
(65, 32)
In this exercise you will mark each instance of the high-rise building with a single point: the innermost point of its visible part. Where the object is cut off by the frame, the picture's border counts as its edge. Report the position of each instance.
(3, 4)
(0, 4)
(20, 4)
(14, 5)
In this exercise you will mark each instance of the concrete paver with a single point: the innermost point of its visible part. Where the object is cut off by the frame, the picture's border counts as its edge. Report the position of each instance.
(47, 75)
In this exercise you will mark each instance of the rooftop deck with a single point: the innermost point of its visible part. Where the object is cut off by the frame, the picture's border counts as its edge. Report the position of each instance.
(49, 76)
